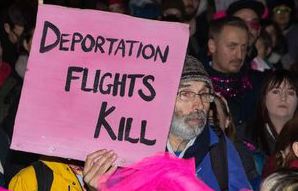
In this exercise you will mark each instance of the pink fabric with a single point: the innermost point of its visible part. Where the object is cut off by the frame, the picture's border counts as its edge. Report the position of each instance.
(222, 13)
(294, 164)
(266, 13)
(2, 189)
(219, 14)
(5, 71)
(163, 172)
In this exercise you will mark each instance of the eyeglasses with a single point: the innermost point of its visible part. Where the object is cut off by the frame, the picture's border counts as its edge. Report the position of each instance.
(282, 10)
(190, 96)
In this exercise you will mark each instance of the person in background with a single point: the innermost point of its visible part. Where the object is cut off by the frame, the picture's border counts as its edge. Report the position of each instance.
(101, 5)
(283, 14)
(117, 6)
(12, 26)
(279, 45)
(220, 116)
(264, 47)
(287, 146)
(149, 9)
(173, 11)
(21, 64)
(250, 11)
(18, 17)
(277, 105)
(286, 152)
(231, 77)
(196, 17)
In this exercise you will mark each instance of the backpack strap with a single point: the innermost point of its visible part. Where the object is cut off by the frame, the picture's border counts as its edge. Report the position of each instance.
(219, 160)
(44, 176)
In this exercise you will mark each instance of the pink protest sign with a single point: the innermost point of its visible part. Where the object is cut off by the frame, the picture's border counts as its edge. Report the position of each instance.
(99, 80)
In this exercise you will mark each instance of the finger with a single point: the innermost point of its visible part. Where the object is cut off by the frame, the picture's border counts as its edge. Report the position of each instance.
(100, 166)
(98, 171)
(108, 163)
(112, 170)
(90, 159)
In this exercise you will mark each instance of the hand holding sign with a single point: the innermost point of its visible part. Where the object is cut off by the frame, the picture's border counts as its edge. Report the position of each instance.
(98, 167)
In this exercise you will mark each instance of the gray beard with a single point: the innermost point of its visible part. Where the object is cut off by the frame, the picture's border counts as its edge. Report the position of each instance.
(180, 128)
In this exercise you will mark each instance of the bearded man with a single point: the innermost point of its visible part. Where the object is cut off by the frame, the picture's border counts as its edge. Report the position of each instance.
(190, 136)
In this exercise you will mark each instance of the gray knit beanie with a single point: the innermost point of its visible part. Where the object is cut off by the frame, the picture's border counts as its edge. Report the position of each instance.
(194, 70)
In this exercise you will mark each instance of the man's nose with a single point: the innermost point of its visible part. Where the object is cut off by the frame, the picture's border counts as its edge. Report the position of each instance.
(239, 53)
(197, 103)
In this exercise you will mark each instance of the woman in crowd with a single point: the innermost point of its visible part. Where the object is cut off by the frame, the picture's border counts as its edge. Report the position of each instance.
(286, 153)
(277, 105)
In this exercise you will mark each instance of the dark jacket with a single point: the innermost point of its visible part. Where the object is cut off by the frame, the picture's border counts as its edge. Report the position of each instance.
(241, 90)
(237, 179)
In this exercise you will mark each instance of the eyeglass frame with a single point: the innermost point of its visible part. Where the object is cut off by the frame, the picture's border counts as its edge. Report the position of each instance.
(282, 9)
(196, 94)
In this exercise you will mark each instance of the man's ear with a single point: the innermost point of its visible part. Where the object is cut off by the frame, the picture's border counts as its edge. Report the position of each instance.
(7, 28)
(295, 148)
(211, 45)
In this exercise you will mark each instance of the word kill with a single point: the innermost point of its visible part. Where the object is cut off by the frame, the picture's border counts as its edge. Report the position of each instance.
(124, 128)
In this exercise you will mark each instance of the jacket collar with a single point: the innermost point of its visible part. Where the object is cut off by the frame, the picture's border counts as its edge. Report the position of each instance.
(202, 145)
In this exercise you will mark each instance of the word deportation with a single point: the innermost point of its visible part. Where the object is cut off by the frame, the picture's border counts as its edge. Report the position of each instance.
(111, 46)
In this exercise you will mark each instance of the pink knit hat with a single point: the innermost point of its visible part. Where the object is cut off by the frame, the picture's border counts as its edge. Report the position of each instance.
(115, 2)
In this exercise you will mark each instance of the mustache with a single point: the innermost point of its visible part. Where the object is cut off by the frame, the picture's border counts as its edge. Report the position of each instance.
(236, 60)
(200, 115)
